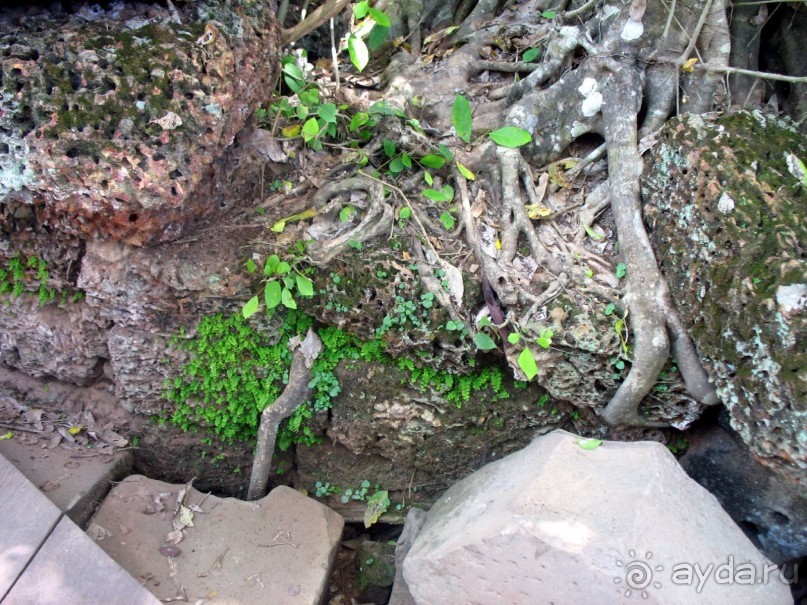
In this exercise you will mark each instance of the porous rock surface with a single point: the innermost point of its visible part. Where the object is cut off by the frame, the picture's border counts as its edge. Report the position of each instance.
(583, 526)
(117, 122)
(726, 206)
(279, 549)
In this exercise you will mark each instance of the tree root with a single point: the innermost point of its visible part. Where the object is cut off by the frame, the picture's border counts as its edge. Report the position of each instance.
(294, 395)
(377, 218)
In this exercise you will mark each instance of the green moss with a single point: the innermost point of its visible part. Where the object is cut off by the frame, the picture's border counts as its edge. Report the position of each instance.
(234, 371)
(19, 275)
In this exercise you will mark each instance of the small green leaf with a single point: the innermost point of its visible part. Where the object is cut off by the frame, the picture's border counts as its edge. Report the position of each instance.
(433, 160)
(310, 129)
(305, 286)
(278, 227)
(396, 165)
(428, 178)
(251, 306)
(406, 160)
(359, 55)
(377, 36)
(445, 152)
(446, 194)
(271, 294)
(309, 96)
(448, 221)
(511, 137)
(270, 265)
(513, 338)
(377, 505)
(530, 55)
(361, 9)
(251, 266)
(484, 322)
(327, 111)
(610, 308)
(484, 342)
(549, 14)
(380, 17)
(287, 299)
(526, 361)
(621, 270)
(593, 234)
(461, 117)
(282, 268)
(293, 77)
(389, 148)
(358, 120)
(589, 444)
(465, 172)
(405, 213)
(347, 213)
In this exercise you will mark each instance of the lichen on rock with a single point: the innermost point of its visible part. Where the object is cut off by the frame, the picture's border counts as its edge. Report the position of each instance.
(728, 226)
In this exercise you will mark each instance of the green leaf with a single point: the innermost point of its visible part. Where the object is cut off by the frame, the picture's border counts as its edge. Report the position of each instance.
(271, 294)
(461, 117)
(530, 55)
(287, 299)
(511, 137)
(428, 178)
(377, 36)
(549, 14)
(389, 148)
(361, 9)
(396, 165)
(484, 322)
(446, 194)
(484, 342)
(526, 361)
(293, 76)
(358, 120)
(610, 308)
(251, 306)
(310, 129)
(433, 160)
(380, 17)
(513, 338)
(377, 505)
(270, 265)
(589, 444)
(405, 213)
(445, 152)
(406, 160)
(251, 267)
(465, 172)
(593, 234)
(282, 268)
(309, 97)
(327, 111)
(621, 270)
(278, 227)
(448, 221)
(359, 55)
(347, 213)
(305, 286)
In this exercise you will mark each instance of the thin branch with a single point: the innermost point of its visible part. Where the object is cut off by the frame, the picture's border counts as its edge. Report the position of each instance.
(313, 21)
(747, 72)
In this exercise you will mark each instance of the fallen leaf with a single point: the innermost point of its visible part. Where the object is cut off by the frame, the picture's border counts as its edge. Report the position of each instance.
(8, 435)
(50, 486)
(170, 551)
(456, 287)
(97, 532)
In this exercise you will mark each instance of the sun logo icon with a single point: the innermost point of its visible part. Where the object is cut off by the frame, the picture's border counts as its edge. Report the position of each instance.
(638, 574)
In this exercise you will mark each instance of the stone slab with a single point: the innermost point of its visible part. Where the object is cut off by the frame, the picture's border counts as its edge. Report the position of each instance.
(26, 519)
(74, 480)
(278, 550)
(70, 568)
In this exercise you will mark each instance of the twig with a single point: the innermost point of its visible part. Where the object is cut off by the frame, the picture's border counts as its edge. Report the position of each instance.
(334, 58)
(13, 427)
(756, 74)
(313, 21)
(695, 34)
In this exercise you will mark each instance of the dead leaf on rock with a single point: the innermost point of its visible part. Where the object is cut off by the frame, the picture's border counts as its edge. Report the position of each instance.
(97, 532)
(170, 551)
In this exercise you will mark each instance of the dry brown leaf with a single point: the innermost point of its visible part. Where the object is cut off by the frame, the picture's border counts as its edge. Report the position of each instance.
(175, 537)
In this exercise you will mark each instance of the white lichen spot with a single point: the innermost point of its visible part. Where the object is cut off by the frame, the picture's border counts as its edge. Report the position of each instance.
(632, 30)
(588, 86)
(169, 121)
(214, 109)
(15, 171)
(578, 129)
(609, 10)
(592, 104)
(725, 204)
(796, 167)
(791, 299)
